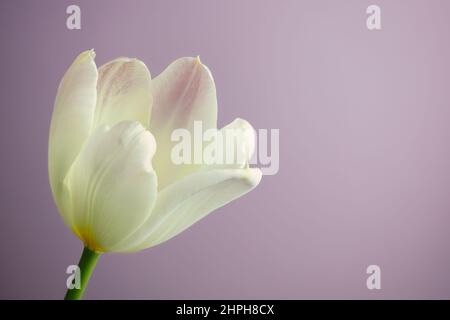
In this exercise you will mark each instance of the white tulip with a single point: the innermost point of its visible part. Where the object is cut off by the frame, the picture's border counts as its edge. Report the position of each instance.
(109, 153)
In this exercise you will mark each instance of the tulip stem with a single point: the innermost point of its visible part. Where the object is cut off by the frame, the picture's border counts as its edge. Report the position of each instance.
(86, 265)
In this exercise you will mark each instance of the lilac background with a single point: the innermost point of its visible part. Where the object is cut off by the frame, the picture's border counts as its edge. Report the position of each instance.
(365, 147)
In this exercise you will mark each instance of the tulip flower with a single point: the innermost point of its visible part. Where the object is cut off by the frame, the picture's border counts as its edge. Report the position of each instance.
(109, 155)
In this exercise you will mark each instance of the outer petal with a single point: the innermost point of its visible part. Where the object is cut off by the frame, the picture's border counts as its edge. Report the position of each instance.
(183, 203)
(124, 92)
(238, 145)
(111, 186)
(183, 93)
(72, 117)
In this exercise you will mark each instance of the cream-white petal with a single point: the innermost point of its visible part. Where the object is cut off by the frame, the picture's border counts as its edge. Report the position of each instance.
(72, 117)
(124, 92)
(183, 94)
(185, 202)
(233, 147)
(112, 186)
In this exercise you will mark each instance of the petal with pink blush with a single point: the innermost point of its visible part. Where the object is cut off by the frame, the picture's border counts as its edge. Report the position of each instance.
(124, 92)
(182, 94)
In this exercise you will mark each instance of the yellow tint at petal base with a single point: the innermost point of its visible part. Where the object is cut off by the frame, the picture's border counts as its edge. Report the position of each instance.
(88, 240)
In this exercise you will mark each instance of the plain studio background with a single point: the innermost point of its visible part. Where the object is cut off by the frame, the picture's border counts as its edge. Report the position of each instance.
(364, 147)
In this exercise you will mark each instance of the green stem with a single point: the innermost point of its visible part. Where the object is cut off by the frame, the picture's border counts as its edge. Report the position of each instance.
(87, 264)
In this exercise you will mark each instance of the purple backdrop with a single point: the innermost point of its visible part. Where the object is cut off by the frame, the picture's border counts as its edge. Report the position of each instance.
(364, 147)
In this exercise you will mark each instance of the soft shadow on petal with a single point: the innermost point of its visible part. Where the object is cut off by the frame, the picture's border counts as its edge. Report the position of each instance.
(185, 202)
(124, 92)
(72, 117)
(112, 186)
(183, 93)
